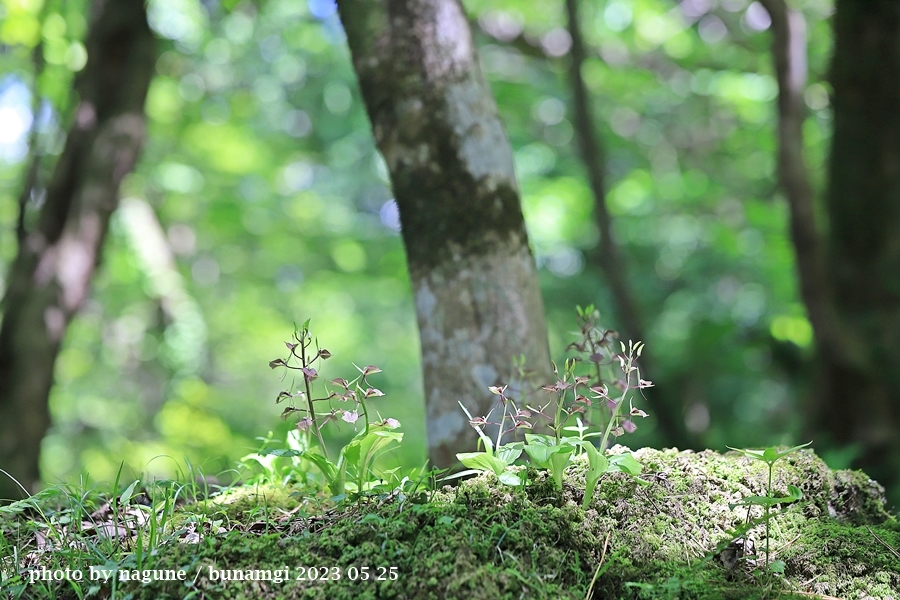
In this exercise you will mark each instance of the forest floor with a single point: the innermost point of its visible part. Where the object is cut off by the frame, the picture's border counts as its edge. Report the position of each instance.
(672, 539)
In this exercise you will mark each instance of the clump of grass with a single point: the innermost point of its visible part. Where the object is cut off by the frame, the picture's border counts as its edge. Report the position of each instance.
(51, 541)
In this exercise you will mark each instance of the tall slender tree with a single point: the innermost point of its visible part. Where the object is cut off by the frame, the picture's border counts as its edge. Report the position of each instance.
(474, 279)
(610, 258)
(850, 278)
(861, 404)
(49, 278)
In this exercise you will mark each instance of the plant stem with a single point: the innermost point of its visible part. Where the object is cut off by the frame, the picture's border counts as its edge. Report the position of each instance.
(500, 429)
(771, 466)
(304, 336)
(557, 424)
(594, 351)
(365, 414)
(612, 416)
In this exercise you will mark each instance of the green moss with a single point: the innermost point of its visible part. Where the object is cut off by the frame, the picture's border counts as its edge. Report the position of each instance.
(235, 502)
(483, 540)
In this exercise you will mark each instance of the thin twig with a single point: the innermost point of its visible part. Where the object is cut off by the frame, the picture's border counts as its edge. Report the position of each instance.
(785, 547)
(883, 543)
(597, 570)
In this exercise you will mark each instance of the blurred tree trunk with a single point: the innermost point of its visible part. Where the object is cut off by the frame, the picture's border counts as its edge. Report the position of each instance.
(474, 279)
(50, 276)
(862, 400)
(789, 49)
(665, 407)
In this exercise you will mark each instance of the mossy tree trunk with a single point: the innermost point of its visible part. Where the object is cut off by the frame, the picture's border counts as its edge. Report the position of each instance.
(473, 275)
(861, 397)
(50, 276)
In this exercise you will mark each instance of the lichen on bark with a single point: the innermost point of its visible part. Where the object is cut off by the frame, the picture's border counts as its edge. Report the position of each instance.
(474, 279)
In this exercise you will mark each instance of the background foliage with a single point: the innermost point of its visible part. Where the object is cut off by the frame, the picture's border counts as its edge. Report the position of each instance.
(260, 201)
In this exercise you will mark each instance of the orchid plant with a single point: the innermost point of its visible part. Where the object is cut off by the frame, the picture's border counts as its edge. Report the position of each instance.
(573, 396)
(346, 401)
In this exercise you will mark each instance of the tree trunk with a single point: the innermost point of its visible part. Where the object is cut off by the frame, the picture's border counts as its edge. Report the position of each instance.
(50, 276)
(665, 407)
(789, 49)
(474, 279)
(862, 400)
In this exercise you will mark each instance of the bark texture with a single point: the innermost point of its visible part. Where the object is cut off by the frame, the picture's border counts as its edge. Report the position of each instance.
(789, 49)
(861, 403)
(50, 276)
(474, 279)
(665, 408)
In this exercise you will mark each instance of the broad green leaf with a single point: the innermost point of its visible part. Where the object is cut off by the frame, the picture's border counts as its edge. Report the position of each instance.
(597, 461)
(510, 478)
(598, 465)
(334, 477)
(362, 450)
(538, 439)
(508, 453)
(561, 455)
(625, 463)
(558, 461)
(540, 455)
(483, 461)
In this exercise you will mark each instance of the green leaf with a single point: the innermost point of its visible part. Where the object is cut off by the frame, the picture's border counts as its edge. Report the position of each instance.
(625, 463)
(465, 473)
(509, 478)
(777, 566)
(280, 452)
(794, 449)
(794, 494)
(537, 439)
(560, 458)
(558, 461)
(768, 455)
(540, 455)
(334, 477)
(749, 453)
(482, 461)
(129, 491)
(362, 450)
(597, 461)
(598, 465)
(508, 453)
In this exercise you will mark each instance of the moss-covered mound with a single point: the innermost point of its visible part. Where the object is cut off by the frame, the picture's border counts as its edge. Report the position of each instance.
(668, 539)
